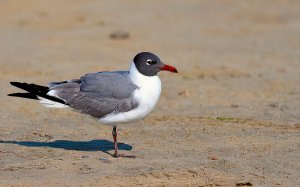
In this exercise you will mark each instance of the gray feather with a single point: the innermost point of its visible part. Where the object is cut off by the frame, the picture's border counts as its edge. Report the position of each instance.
(108, 84)
(98, 94)
(52, 84)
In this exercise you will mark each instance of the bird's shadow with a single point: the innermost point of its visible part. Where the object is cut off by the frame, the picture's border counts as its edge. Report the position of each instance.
(93, 145)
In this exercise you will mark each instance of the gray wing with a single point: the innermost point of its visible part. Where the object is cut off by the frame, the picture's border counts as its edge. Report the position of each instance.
(108, 84)
(98, 94)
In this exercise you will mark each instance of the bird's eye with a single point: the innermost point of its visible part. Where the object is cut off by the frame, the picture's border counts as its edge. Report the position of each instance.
(150, 62)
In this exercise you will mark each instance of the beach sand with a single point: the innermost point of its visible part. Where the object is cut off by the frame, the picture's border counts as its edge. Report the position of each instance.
(230, 117)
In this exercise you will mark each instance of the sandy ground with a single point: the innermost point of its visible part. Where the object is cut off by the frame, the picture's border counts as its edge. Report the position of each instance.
(231, 117)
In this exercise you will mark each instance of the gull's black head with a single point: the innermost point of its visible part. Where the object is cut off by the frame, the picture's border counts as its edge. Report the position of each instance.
(149, 64)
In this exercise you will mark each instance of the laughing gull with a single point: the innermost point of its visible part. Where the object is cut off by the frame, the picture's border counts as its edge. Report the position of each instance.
(111, 97)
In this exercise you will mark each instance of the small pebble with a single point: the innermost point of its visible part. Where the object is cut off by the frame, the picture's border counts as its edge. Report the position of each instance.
(105, 160)
(185, 93)
(273, 105)
(297, 125)
(244, 184)
(234, 106)
(119, 35)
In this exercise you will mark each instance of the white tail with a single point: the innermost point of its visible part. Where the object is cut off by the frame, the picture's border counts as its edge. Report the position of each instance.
(51, 104)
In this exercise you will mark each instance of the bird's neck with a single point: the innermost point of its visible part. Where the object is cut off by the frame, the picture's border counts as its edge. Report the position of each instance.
(142, 80)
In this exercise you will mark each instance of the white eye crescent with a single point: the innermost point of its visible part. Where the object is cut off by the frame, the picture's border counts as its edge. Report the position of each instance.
(149, 62)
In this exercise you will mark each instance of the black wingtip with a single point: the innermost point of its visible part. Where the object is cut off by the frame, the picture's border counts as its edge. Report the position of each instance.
(23, 95)
(34, 91)
(18, 84)
(33, 88)
(14, 83)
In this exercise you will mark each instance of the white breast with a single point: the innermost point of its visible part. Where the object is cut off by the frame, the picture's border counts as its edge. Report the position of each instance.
(147, 96)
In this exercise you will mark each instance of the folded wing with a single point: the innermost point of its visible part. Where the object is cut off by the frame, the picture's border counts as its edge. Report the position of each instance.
(97, 94)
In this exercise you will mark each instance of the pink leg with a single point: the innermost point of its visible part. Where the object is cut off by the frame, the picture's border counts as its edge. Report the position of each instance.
(114, 133)
(116, 154)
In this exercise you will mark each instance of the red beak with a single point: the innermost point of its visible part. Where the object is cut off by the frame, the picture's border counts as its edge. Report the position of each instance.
(169, 68)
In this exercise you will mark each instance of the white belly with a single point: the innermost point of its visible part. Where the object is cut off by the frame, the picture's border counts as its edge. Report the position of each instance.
(147, 96)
